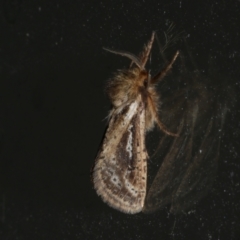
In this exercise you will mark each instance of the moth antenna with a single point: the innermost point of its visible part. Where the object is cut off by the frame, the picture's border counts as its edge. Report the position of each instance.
(147, 49)
(161, 48)
(128, 55)
(171, 37)
(159, 76)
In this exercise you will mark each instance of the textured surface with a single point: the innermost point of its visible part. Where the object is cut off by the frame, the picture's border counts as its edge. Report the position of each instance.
(120, 172)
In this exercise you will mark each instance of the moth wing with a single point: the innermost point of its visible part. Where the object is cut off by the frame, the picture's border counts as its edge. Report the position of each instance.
(170, 173)
(201, 173)
(189, 168)
(119, 174)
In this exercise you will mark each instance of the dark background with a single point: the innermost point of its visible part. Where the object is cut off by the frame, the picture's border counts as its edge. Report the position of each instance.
(52, 108)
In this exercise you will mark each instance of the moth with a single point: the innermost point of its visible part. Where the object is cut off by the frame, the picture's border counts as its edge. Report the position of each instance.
(120, 171)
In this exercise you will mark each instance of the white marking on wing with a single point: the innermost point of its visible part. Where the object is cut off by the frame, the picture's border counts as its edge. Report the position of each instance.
(129, 148)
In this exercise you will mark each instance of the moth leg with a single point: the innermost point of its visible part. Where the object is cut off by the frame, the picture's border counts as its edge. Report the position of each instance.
(159, 76)
(160, 124)
(164, 139)
(164, 128)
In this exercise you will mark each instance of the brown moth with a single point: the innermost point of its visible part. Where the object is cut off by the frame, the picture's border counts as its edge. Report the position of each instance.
(120, 171)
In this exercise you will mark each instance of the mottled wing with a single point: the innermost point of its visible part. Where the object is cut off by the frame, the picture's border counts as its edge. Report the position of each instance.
(120, 170)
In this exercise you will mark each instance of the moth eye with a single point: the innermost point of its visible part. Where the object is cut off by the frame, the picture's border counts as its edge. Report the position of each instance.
(145, 83)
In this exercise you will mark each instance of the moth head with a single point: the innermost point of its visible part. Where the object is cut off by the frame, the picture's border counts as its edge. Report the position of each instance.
(136, 84)
(143, 79)
(141, 74)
